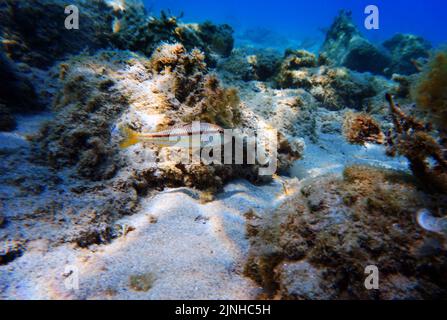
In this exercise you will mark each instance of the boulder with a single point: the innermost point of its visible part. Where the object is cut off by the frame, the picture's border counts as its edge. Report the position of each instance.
(406, 50)
(345, 46)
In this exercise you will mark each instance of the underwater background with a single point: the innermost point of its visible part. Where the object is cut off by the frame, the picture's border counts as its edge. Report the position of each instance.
(349, 176)
(307, 20)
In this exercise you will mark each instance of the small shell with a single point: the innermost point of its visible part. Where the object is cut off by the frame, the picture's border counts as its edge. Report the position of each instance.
(430, 223)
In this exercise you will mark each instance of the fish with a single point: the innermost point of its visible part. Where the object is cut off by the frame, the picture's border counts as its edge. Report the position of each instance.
(181, 136)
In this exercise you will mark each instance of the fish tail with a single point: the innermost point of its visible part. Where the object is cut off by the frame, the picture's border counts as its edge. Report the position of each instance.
(131, 138)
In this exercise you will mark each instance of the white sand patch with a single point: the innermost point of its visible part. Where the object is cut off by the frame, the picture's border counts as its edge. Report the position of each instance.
(192, 251)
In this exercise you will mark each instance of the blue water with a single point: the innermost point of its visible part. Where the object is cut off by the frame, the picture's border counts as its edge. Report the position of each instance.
(305, 19)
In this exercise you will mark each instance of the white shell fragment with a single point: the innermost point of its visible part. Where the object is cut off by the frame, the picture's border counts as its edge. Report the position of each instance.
(430, 223)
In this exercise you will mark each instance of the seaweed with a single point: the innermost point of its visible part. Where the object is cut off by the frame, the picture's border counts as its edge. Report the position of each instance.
(430, 91)
(414, 139)
(359, 128)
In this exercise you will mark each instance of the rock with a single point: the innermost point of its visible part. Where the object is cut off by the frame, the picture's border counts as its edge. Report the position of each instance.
(105, 23)
(345, 46)
(40, 44)
(362, 56)
(251, 64)
(334, 87)
(406, 50)
(7, 121)
(218, 37)
(16, 93)
(325, 236)
(10, 250)
(171, 88)
(301, 281)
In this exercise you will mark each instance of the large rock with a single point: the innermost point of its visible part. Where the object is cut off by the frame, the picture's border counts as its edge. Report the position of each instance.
(16, 94)
(405, 50)
(102, 24)
(251, 64)
(334, 87)
(35, 33)
(345, 46)
(318, 244)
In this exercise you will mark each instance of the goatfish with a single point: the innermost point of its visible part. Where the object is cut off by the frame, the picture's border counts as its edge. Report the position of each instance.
(183, 136)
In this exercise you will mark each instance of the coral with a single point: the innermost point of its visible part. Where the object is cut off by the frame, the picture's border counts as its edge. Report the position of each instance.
(169, 57)
(430, 91)
(317, 244)
(296, 59)
(359, 128)
(113, 89)
(405, 49)
(345, 46)
(290, 75)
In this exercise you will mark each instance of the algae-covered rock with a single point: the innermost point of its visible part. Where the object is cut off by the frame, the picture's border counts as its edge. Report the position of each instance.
(335, 88)
(103, 93)
(251, 64)
(102, 24)
(325, 236)
(35, 33)
(7, 121)
(16, 94)
(406, 50)
(345, 46)
(218, 37)
(144, 34)
(301, 281)
(10, 250)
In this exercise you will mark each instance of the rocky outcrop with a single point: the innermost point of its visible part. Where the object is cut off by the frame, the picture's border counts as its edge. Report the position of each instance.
(335, 88)
(41, 44)
(250, 64)
(102, 24)
(406, 50)
(318, 244)
(16, 94)
(345, 46)
(104, 93)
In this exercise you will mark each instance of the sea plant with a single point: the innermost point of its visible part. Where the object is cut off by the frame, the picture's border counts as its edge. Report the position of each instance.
(430, 91)
(359, 128)
(414, 139)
